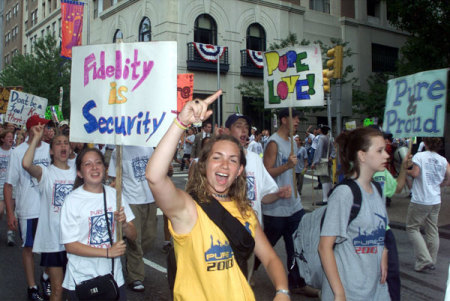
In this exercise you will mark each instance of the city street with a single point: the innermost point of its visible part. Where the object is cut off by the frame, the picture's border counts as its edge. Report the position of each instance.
(415, 286)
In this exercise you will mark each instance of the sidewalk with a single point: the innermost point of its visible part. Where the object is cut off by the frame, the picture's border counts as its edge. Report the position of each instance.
(396, 212)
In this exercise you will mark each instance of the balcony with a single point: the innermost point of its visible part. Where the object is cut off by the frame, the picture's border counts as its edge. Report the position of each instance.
(251, 66)
(206, 60)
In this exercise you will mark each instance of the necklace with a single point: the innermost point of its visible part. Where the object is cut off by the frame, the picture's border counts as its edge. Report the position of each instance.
(223, 196)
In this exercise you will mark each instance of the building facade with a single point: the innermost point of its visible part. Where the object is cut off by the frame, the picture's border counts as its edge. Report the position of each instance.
(238, 25)
(12, 29)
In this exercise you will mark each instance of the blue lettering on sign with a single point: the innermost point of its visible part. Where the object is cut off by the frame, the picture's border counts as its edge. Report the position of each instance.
(121, 125)
(412, 125)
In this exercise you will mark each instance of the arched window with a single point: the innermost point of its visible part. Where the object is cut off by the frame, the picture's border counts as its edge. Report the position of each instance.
(205, 30)
(256, 37)
(117, 35)
(145, 30)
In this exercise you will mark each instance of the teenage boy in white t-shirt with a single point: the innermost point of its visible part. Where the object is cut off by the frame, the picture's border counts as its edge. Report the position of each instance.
(140, 199)
(27, 202)
(261, 187)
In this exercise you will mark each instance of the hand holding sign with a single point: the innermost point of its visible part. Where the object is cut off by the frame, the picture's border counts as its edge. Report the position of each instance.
(197, 110)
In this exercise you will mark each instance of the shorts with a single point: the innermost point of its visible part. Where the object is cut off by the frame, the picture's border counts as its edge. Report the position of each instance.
(54, 259)
(27, 230)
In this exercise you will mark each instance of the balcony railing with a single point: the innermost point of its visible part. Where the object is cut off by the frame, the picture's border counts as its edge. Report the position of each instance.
(196, 62)
(248, 67)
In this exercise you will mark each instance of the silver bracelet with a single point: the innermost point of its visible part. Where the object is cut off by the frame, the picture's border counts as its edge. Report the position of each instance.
(283, 291)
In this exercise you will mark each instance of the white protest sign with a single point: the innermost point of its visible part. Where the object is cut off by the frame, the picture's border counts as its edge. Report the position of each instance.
(124, 93)
(22, 106)
(293, 77)
(415, 105)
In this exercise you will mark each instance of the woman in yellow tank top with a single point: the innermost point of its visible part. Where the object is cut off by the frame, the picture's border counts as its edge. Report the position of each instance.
(206, 265)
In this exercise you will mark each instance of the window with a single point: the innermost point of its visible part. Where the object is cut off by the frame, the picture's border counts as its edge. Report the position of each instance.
(256, 37)
(25, 49)
(26, 25)
(98, 7)
(373, 8)
(117, 35)
(205, 30)
(384, 58)
(53, 28)
(145, 30)
(320, 5)
(43, 9)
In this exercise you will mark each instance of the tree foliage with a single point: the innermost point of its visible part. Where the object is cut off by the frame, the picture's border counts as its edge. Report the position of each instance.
(372, 103)
(41, 73)
(428, 22)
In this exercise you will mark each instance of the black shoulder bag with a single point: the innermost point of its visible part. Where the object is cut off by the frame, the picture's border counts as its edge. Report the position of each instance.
(101, 287)
(241, 241)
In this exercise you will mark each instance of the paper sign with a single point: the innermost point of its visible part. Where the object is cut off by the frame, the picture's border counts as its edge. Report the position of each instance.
(350, 125)
(415, 105)
(124, 93)
(293, 77)
(4, 97)
(21, 106)
(185, 89)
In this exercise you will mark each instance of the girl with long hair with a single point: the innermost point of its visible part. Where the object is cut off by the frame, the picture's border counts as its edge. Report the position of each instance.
(83, 225)
(55, 183)
(353, 255)
(206, 264)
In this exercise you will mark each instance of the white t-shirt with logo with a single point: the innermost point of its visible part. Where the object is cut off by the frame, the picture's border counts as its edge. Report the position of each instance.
(256, 147)
(27, 191)
(83, 220)
(426, 189)
(54, 186)
(4, 162)
(134, 161)
(259, 182)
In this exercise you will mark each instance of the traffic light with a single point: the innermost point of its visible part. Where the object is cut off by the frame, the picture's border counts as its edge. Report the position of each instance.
(327, 74)
(336, 61)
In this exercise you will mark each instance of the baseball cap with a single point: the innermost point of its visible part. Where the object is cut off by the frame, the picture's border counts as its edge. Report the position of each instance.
(35, 120)
(233, 118)
(285, 113)
(64, 122)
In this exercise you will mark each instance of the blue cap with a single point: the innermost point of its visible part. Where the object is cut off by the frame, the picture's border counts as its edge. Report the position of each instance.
(233, 118)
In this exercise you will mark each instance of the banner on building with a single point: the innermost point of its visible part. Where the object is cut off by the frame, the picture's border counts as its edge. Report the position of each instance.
(4, 97)
(416, 105)
(123, 94)
(293, 77)
(185, 89)
(71, 26)
(210, 52)
(21, 106)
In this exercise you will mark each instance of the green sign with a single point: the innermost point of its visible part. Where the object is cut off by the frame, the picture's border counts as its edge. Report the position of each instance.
(53, 113)
(415, 105)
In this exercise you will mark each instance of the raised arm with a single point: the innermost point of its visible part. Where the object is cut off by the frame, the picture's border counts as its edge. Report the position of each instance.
(401, 179)
(176, 204)
(27, 161)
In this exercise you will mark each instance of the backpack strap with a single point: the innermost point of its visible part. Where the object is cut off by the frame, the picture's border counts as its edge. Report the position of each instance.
(357, 197)
(241, 241)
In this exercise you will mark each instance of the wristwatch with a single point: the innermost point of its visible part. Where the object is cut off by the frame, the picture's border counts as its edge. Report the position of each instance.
(283, 291)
